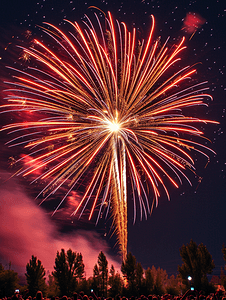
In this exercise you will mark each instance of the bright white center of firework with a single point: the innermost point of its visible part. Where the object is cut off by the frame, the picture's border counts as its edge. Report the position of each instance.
(114, 127)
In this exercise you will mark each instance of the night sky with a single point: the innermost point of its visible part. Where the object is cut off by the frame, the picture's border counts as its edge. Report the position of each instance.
(196, 212)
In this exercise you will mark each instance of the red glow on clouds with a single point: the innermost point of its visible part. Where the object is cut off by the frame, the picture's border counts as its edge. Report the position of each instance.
(73, 200)
(27, 230)
(29, 162)
(192, 22)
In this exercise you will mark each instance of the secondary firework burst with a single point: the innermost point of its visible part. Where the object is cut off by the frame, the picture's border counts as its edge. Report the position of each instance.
(108, 111)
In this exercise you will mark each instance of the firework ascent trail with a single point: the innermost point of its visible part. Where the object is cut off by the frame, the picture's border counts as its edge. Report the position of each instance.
(108, 110)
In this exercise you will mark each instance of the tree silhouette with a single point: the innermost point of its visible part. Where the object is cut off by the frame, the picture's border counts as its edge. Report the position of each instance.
(174, 285)
(160, 280)
(8, 282)
(128, 269)
(197, 263)
(149, 281)
(35, 276)
(115, 283)
(69, 268)
(103, 273)
(96, 279)
(139, 278)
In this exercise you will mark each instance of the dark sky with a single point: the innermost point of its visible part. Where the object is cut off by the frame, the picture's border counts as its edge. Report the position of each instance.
(196, 212)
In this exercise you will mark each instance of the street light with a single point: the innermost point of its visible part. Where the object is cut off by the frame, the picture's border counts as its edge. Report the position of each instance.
(190, 280)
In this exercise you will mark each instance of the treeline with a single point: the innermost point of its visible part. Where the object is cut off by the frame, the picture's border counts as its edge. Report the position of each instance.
(68, 276)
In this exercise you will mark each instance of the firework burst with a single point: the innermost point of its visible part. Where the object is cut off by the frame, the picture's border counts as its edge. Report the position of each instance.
(108, 111)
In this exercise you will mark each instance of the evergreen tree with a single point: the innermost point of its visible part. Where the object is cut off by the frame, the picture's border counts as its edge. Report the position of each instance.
(197, 263)
(139, 279)
(115, 283)
(96, 280)
(128, 269)
(160, 280)
(8, 282)
(103, 273)
(173, 286)
(149, 282)
(35, 276)
(69, 268)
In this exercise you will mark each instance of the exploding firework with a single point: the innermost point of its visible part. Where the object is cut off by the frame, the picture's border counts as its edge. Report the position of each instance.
(107, 110)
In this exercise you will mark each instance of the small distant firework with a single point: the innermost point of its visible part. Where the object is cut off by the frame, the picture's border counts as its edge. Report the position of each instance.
(192, 23)
(28, 34)
(107, 111)
(25, 57)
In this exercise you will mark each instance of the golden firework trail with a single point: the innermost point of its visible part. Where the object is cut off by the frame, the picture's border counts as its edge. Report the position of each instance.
(107, 110)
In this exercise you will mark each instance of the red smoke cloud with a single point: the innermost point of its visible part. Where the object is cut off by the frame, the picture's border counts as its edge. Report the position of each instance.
(27, 230)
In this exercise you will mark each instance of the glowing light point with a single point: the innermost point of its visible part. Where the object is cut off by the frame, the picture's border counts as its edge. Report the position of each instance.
(114, 127)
